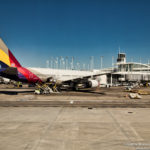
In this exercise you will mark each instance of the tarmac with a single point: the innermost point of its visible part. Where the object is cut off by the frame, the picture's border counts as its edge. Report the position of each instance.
(85, 120)
(74, 128)
(103, 97)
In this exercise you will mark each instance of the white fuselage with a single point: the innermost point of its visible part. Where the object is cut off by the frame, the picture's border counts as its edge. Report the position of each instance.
(59, 74)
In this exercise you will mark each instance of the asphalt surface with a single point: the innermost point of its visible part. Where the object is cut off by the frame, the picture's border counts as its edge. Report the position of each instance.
(80, 121)
(58, 128)
(103, 97)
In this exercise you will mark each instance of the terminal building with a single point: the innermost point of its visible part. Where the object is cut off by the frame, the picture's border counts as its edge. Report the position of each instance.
(128, 71)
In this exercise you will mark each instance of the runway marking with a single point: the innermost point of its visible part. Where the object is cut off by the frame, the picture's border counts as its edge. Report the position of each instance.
(50, 125)
(127, 130)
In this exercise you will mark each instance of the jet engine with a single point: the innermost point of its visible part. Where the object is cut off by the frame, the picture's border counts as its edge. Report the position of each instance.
(93, 83)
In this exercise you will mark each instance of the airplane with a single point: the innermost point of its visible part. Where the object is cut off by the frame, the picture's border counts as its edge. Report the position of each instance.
(44, 79)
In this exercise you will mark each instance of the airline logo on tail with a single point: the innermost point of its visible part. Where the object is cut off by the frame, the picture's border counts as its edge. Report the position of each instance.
(11, 68)
(6, 57)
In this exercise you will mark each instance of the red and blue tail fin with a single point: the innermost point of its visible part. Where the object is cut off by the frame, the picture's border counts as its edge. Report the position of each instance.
(11, 68)
(7, 59)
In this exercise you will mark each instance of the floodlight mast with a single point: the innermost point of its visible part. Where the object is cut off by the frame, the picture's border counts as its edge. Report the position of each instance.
(101, 60)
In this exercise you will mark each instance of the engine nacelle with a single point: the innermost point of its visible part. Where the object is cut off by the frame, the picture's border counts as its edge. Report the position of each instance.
(93, 84)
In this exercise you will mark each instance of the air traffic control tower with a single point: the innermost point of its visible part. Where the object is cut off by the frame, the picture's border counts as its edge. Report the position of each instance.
(121, 58)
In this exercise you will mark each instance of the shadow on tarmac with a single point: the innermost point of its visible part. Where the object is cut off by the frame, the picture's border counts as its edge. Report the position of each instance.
(92, 92)
(14, 92)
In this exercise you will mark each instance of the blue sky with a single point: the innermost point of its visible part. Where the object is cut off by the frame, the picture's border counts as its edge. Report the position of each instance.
(36, 30)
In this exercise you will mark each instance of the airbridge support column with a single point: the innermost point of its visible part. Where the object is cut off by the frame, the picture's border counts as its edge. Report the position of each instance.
(111, 79)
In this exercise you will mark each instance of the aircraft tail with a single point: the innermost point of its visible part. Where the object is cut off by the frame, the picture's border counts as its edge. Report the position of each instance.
(7, 59)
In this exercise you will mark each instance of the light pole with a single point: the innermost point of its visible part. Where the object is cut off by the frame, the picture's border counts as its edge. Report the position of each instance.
(51, 62)
(66, 64)
(92, 62)
(72, 63)
(101, 59)
(47, 63)
(112, 61)
(56, 62)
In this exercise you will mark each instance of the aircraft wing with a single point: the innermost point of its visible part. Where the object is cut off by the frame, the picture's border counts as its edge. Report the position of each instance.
(78, 79)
